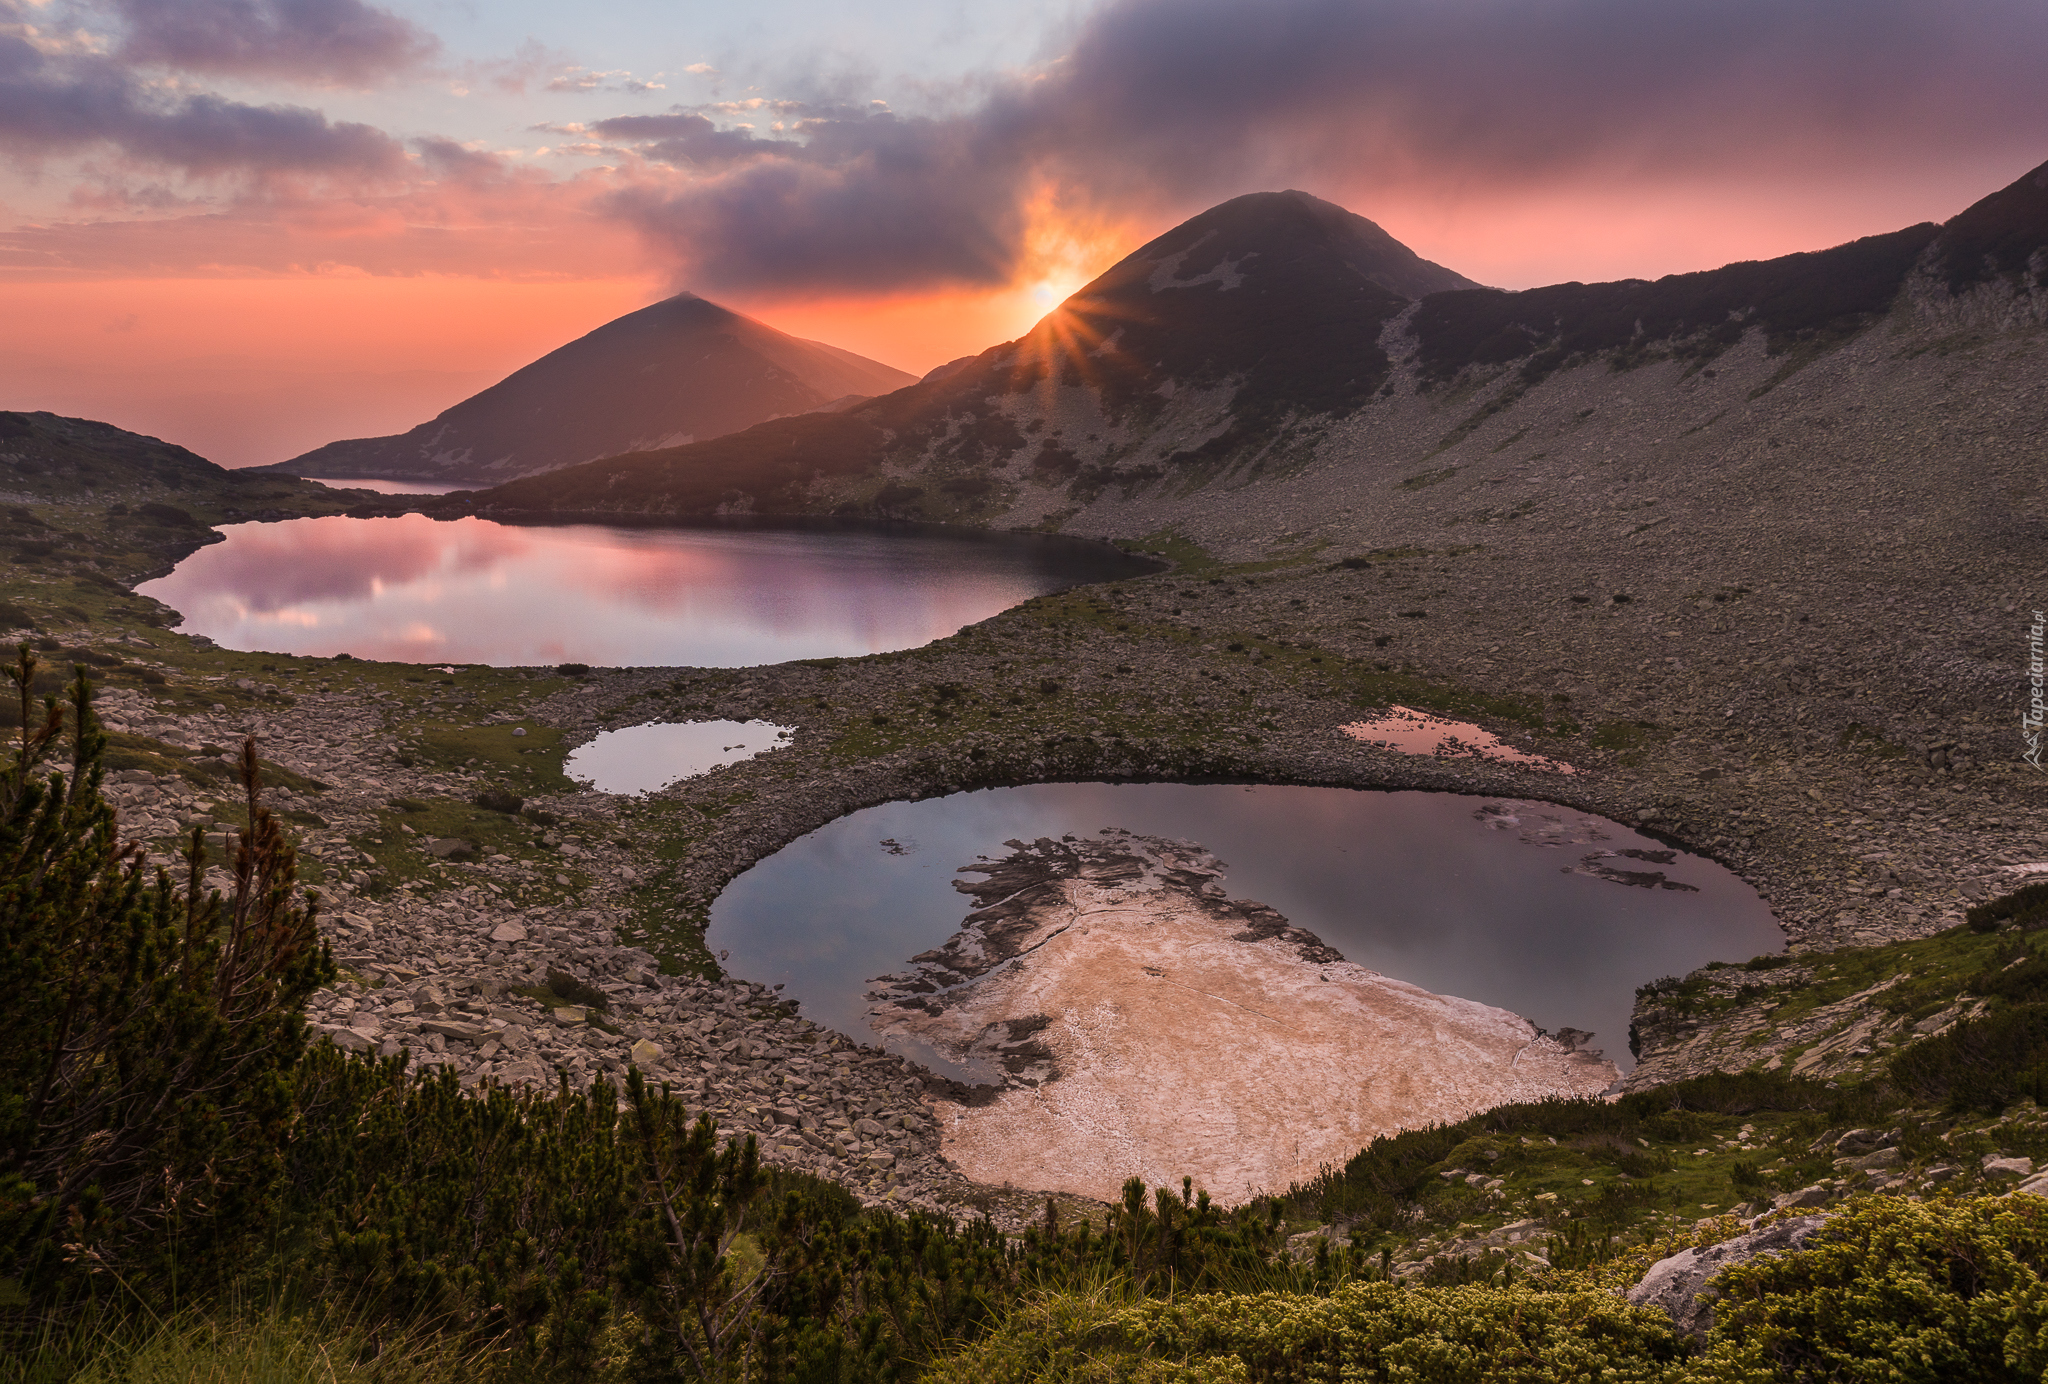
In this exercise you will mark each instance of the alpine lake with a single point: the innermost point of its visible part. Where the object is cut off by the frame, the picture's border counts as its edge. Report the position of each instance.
(1541, 910)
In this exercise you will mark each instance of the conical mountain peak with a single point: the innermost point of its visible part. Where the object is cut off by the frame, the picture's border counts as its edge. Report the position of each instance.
(680, 370)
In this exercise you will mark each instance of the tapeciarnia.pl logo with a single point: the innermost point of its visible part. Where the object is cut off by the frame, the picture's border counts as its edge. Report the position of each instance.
(2037, 704)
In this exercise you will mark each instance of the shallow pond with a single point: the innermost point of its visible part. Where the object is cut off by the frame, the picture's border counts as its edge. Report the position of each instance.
(1542, 910)
(642, 759)
(414, 590)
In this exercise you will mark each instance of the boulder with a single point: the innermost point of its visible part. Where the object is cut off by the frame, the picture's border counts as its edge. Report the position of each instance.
(508, 932)
(451, 1028)
(1679, 1284)
(645, 1053)
(1816, 1195)
(1995, 1166)
(450, 848)
(1303, 1245)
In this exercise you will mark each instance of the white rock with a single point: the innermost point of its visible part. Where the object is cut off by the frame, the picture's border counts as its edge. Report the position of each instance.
(1678, 1284)
(1187, 1041)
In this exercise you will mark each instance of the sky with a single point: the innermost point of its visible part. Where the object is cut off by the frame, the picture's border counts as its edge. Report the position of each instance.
(254, 226)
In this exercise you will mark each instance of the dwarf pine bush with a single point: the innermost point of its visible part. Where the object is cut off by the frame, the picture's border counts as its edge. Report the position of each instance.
(150, 1026)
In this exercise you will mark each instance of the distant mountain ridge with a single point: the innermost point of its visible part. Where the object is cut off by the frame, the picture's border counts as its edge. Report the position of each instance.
(1213, 339)
(681, 370)
(1276, 336)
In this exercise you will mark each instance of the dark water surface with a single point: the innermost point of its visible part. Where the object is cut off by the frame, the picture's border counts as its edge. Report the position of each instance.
(411, 589)
(1492, 899)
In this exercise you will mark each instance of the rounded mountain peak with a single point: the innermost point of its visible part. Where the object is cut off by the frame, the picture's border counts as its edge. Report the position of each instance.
(1293, 227)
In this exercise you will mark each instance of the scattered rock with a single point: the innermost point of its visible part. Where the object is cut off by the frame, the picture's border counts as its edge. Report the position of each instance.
(1679, 1284)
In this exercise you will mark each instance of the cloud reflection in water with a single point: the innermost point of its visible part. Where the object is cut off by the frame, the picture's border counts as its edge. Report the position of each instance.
(416, 590)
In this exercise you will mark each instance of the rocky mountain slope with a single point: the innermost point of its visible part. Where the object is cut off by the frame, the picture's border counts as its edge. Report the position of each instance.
(680, 370)
(1261, 372)
(1213, 342)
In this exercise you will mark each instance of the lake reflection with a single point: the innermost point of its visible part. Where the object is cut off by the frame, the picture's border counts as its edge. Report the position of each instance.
(383, 487)
(642, 759)
(411, 589)
(1490, 899)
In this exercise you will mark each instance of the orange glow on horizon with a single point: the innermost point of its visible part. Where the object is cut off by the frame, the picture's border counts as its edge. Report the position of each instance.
(255, 370)
(918, 332)
(259, 368)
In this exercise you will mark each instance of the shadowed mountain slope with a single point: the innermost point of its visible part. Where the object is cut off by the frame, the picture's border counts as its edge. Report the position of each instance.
(680, 370)
(118, 504)
(46, 458)
(1204, 343)
(1274, 336)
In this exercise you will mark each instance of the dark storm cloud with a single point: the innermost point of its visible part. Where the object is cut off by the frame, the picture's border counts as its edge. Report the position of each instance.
(318, 40)
(1172, 103)
(70, 104)
(1529, 89)
(863, 202)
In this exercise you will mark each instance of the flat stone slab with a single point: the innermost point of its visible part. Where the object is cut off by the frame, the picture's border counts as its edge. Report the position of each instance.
(450, 1028)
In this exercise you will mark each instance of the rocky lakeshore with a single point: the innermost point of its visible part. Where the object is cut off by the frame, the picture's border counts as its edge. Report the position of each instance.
(453, 965)
(1136, 1020)
(1716, 693)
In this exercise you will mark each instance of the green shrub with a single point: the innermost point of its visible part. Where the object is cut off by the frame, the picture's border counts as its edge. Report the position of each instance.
(1981, 1064)
(570, 990)
(1362, 1331)
(2026, 907)
(150, 1027)
(1894, 1290)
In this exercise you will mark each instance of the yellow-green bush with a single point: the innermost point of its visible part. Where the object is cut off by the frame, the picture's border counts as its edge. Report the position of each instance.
(1362, 1331)
(1898, 1291)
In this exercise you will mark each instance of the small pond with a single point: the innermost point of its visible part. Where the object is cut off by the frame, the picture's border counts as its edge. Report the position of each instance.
(414, 590)
(1539, 909)
(642, 759)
